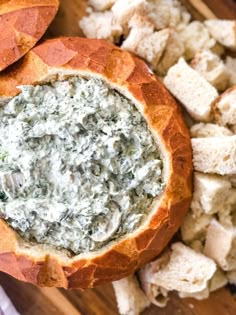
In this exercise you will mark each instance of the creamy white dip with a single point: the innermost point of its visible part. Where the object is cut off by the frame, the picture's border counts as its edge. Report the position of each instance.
(78, 165)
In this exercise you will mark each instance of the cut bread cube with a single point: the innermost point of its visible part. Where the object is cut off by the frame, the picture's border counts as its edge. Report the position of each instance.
(215, 155)
(221, 245)
(212, 68)
(224, 108)
(147, 46)
(195, 228)
(185, 271)
(202, 130)
(131, 300)
(101, 25)
(230, 64)
(124, 10)
(195, 37)
(224, 31)
(211, 195)
(174, 50)
(103, 5)
(191, 89)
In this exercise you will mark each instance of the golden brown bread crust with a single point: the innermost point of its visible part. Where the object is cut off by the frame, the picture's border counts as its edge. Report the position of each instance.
(22, 24)
(127, 73)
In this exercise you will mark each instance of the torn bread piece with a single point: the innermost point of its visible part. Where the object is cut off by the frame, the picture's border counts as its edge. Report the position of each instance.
(174, 50)
(195, 228)
(195, 37)
(221, 245)
(149, 46)
(101, 25)
(130, 298)
(211, 194)
(212, 68)
(184, 270)
(103, 5)
(224, 108)
(224, 31)
(215, 155)
(168, 13)
(123, 10)
(191, 89)
(202, 130)
(219, 280)
(230, 64)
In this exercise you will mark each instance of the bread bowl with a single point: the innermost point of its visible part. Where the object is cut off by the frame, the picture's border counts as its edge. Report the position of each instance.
(22, 24)
(63, 60)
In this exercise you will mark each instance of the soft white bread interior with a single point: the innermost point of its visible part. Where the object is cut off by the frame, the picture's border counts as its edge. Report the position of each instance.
(130, 298)
(215, 155)
(224, 31)
(103, 5)
(212, 68)
(191, 89)
(202, 130)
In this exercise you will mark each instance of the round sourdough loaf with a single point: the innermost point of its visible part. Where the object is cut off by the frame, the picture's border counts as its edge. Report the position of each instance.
(60, 59)
(22, 24)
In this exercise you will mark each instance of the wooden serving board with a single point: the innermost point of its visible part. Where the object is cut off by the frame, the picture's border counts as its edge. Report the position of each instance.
(30, 300)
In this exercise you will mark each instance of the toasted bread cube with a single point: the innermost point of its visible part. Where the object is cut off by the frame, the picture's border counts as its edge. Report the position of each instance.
(101, 25)
(191, 89)
(224, 31)
(212, 68)
(202, 130)
(221, 245)
(215, 155)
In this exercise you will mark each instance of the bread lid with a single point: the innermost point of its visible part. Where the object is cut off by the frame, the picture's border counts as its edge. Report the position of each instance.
(22, 24)
(65, 57)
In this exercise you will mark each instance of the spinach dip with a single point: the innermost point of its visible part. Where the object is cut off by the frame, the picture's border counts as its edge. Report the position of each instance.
(78, 166)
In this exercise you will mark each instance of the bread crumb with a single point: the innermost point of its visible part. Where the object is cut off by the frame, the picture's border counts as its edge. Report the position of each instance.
(202, 130)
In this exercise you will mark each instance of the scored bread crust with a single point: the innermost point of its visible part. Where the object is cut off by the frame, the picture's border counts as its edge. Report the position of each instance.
(22, 24)
(56, 59)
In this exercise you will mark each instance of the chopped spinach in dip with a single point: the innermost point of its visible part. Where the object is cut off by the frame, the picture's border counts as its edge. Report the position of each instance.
(78, 165)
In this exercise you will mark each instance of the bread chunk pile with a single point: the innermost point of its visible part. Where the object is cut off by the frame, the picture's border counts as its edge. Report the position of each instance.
(192, 59)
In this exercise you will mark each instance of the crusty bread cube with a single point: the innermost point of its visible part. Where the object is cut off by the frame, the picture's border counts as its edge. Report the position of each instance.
(130, 298)
(195, 37)
(191, 89)
(212, 68)
(124, 9)
(230, 64)
(211, 195)
(202, 130)
(101, 25)
(195, 228)
(174, 50)
(185, 271)
(101, 5)
(221, 245)
(224, 31)
(215, 155)
(224, 108)
(147, 45)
